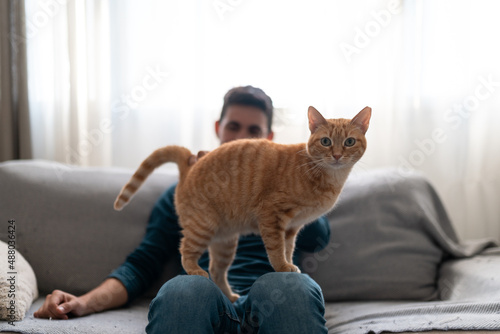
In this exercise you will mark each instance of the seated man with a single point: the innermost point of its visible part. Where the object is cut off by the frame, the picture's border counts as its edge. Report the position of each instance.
(270, 302)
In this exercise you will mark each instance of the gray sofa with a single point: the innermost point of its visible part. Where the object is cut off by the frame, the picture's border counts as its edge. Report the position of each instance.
(393, 262)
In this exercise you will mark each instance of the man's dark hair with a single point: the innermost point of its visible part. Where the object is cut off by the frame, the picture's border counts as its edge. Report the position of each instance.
(249, 96)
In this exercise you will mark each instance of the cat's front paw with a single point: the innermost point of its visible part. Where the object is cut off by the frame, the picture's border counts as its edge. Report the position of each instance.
(288, 267)
(199, 272)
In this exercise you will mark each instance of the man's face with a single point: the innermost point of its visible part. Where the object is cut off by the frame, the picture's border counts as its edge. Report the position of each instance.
(241, 122)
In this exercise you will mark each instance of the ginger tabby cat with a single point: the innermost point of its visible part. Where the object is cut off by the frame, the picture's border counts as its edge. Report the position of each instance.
(256, 186)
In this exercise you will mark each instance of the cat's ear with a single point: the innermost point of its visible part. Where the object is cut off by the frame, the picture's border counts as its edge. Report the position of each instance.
(362, 119)
(315, 119)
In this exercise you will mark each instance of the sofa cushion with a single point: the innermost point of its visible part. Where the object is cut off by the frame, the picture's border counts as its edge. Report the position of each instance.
(18, 286)
(66, 225)
(389, 235)
(131, 319)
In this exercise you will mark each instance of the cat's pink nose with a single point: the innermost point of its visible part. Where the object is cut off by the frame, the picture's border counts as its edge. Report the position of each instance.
(337, 156)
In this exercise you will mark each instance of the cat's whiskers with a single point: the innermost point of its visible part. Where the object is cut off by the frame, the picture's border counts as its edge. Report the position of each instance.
(310, 162)
(317, 165)
(316, 168)
(303, 153)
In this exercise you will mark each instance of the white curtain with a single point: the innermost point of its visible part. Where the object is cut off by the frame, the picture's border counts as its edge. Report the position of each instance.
(69, 80)
(112, 80)
(447, 109)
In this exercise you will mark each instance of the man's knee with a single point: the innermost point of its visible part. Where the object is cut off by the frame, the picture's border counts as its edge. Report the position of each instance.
(190, 304)
(275, 289)
(186, 289)
(284, 300)
(290, 282)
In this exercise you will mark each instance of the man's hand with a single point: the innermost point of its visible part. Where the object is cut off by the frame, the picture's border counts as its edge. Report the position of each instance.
(59, 304)
(194, 158)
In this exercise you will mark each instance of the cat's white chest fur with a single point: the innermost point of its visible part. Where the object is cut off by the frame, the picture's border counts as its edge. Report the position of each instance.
(309, 214)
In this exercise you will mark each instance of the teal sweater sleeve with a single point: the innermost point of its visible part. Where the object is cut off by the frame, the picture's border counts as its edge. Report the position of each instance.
(161, 243)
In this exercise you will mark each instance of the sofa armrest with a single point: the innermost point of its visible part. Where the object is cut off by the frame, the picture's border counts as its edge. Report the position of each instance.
(18, 286)
(471, 279)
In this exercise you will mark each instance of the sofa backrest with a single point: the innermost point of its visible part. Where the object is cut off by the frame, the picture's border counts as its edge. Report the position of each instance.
(66, 226)
(389, 233)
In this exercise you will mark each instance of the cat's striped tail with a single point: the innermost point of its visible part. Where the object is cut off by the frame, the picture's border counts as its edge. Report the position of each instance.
(178, 154)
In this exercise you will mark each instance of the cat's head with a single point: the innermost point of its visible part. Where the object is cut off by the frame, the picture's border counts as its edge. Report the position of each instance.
(337, 143)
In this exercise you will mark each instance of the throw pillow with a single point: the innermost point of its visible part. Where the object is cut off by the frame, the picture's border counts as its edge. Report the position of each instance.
(382, 244)
(18, 287)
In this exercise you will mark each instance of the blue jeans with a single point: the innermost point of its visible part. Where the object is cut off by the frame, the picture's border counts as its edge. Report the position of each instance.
(276, 303)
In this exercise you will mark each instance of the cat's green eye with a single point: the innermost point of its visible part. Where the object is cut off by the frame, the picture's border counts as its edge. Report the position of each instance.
(349, 142)
(325, 141)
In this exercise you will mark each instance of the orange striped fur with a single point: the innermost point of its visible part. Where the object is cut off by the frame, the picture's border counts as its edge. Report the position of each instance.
(256, 186)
